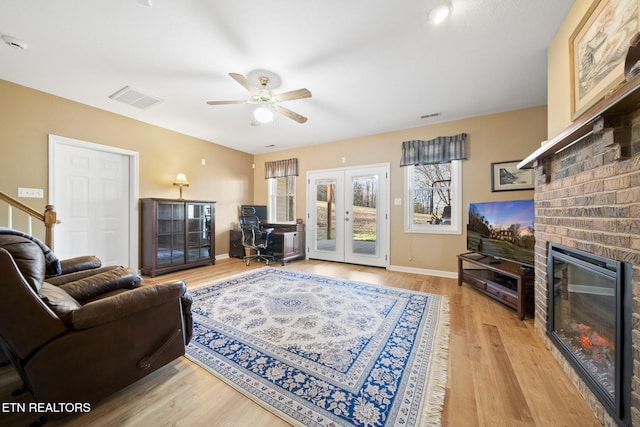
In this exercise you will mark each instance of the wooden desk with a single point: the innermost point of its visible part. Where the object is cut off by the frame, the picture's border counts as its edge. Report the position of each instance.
(287, 242)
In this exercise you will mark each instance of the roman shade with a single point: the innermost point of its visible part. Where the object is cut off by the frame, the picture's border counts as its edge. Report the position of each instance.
(281, 168)
(442, 149)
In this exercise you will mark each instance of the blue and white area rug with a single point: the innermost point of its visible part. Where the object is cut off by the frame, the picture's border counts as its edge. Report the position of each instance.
(318, 351)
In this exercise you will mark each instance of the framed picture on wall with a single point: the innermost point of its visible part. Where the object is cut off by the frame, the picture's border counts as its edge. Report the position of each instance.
(505, 176)
(598, 48)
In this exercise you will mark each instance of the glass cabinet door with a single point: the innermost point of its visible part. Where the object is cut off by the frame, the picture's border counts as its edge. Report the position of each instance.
(199, 216)
(170, 234)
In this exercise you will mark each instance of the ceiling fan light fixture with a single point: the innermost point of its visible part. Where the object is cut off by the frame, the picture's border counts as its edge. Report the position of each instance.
(263, 114)
(439, 13)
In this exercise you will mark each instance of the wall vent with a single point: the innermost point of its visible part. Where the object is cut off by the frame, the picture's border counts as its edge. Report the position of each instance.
(135, 98)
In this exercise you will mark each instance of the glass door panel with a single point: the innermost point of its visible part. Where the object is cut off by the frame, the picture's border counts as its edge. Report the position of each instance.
(326, 215)
(170, 234)
(364, 229)
(198, 219)
(367, 222)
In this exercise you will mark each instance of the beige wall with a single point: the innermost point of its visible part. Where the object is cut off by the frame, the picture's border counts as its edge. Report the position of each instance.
(28, 116)
(559, 74)
(493, 138)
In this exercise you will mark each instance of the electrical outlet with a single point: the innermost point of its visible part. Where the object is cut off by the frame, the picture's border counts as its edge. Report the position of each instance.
(34, 193)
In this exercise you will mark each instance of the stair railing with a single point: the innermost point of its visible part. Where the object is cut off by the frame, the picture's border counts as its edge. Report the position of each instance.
(48, 218)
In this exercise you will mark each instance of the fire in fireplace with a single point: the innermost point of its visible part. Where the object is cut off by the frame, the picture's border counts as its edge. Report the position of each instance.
(590, 323)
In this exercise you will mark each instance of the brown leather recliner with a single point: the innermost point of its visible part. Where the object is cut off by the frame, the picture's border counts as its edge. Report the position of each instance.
(87, 331)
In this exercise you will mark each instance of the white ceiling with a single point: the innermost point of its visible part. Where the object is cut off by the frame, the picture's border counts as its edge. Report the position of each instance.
(372, 65)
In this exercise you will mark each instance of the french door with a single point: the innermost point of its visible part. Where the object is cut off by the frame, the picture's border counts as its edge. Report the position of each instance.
(347, 215)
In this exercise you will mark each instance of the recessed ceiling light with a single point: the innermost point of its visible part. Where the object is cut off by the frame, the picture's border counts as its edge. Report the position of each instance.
(439, 13)
(14, 42)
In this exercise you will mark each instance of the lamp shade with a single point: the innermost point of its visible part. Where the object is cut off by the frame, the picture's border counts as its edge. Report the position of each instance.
(181, 179)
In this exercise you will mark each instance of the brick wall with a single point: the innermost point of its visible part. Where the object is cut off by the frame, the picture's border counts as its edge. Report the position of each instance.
(588, 197)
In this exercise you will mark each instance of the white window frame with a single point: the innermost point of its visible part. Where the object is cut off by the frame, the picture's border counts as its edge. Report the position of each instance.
(456, 210)
(272, 206)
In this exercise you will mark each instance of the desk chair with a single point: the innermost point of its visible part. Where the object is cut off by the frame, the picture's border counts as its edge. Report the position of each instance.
(254, 237)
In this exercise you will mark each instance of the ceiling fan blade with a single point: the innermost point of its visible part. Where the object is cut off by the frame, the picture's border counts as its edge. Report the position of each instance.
(227, 102)
(291, 114)
(294, 94)
(244, 82)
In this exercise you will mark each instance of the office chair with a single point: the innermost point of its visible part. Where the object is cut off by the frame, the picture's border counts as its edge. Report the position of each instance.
(253, 237)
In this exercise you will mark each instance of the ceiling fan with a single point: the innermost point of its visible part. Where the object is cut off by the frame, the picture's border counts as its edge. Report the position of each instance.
(266, 100)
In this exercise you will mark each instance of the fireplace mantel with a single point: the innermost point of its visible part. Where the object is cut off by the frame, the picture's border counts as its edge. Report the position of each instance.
(623, 100)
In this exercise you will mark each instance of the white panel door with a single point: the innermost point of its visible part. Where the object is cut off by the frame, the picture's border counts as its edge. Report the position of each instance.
(91, 193)
(347, 216)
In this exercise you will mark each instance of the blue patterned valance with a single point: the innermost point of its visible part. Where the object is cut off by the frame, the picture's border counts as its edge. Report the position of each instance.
(442, 149)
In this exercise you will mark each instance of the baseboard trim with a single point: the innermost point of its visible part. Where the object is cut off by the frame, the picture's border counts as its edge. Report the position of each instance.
(424, 271)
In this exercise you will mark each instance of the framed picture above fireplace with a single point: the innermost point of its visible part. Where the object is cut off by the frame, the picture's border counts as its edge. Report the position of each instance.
(598, 48)
(505, 176)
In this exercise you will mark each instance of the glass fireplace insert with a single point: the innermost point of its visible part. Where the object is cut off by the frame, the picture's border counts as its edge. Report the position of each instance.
(590, 323)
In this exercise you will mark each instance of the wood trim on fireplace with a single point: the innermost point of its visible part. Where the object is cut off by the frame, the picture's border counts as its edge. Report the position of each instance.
(623, 100)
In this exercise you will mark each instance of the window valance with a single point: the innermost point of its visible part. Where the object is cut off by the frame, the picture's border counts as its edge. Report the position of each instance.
(442, 149)
(281, 168)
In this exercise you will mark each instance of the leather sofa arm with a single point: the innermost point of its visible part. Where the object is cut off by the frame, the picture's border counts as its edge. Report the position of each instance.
(97, 284)
(77, 275)
(125, 304)
(80, 263)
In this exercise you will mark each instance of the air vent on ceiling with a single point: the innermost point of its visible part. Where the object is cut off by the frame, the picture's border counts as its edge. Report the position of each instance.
(135, 98)
(14, 42)
(428, 116)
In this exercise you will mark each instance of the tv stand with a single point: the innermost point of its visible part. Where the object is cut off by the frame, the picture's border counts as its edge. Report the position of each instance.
(505, 281)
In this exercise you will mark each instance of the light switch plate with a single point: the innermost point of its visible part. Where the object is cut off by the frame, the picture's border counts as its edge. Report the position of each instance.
(34, 193)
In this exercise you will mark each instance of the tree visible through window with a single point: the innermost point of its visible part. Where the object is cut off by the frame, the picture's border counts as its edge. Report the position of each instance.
(433, 198)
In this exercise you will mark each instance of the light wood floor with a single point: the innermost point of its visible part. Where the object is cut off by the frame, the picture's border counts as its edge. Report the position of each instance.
(499, 374)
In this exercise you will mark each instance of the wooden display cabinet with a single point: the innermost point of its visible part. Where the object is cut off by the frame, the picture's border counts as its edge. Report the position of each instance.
(176, 234)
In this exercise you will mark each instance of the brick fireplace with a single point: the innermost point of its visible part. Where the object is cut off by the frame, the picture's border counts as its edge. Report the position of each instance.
(587, 197)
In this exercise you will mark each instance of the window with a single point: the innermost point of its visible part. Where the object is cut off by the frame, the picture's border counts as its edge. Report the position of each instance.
(433, 198)
(282, 199)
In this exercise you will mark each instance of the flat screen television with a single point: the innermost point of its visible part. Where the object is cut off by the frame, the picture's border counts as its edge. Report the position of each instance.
(502, 230)
(261, 211)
